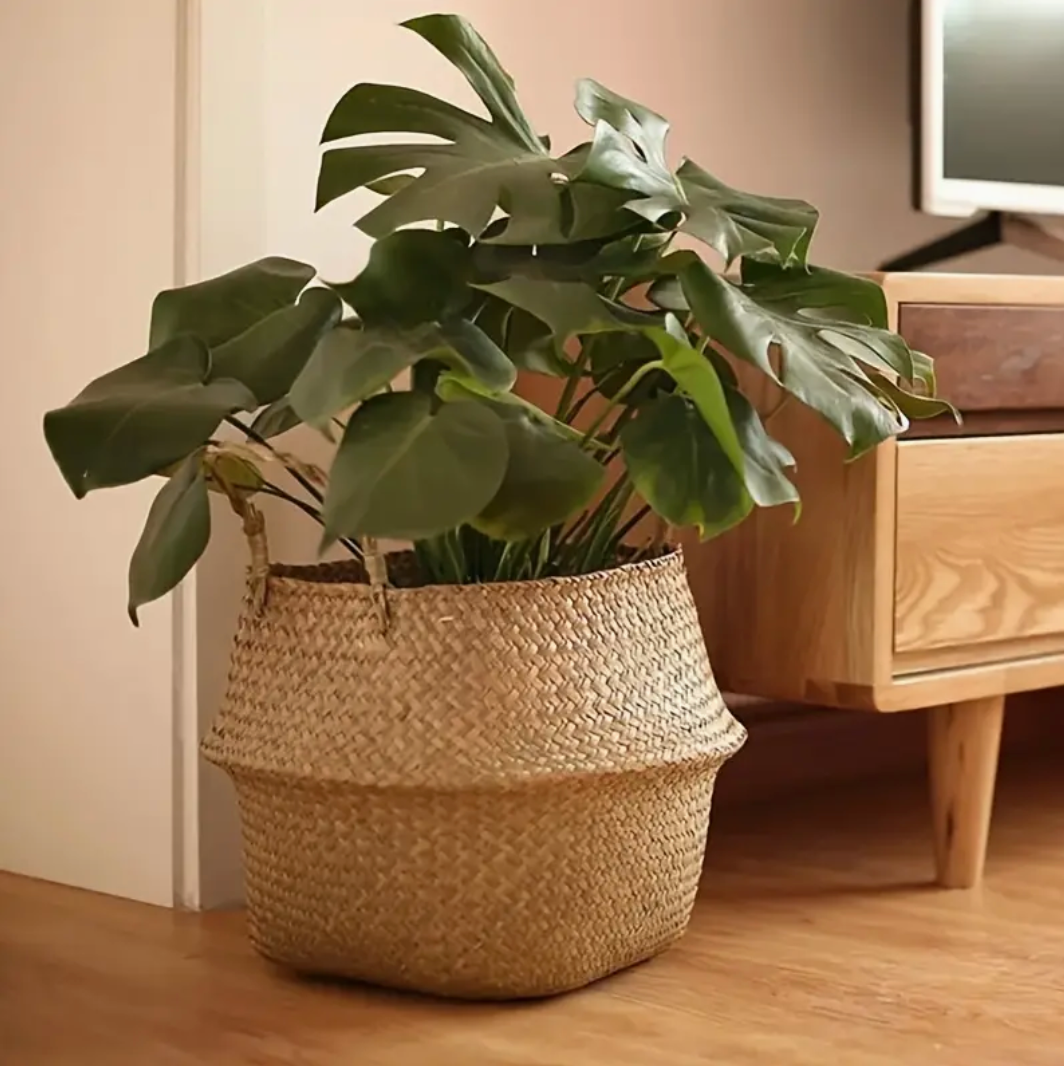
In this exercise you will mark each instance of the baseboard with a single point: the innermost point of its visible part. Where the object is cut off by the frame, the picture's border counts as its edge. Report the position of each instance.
(794, 749)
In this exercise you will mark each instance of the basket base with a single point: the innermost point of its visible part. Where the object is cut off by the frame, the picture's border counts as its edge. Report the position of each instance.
(497, 895)
(474, 991)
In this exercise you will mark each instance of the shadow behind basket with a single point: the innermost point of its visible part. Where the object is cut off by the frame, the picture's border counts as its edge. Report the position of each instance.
(488, 791)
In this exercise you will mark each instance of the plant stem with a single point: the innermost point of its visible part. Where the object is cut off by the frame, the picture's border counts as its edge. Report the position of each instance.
(576, 373)
(579, 405)
(271, 489)
(619, 396)
(248, 432)
(598, 545)
(766, 418)
(631, 523)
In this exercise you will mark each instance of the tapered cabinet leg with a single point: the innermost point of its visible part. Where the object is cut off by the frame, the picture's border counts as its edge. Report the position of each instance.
(964, 740)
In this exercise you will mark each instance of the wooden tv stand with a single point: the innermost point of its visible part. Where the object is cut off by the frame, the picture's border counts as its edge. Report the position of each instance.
(930, 573)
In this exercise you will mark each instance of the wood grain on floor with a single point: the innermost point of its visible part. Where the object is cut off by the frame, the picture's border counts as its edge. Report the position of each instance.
(817, 941)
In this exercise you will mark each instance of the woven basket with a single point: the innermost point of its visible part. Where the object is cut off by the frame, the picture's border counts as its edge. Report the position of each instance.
(488, 791)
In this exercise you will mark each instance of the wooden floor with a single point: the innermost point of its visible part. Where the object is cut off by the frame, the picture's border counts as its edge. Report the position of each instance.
(817, 942)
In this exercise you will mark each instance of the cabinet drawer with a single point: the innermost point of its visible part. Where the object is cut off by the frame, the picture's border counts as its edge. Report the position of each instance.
(979, 566)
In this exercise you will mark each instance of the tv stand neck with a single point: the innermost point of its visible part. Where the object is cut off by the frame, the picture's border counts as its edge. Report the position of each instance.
(998, 227)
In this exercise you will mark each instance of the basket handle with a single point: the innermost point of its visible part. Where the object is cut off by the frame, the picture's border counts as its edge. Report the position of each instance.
(377, 572)
(258, 545)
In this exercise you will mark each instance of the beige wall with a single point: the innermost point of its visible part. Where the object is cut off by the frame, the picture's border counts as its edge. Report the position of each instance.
(87, 164)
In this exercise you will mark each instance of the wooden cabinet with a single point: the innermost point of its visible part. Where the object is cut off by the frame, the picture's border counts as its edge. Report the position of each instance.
(930, 573)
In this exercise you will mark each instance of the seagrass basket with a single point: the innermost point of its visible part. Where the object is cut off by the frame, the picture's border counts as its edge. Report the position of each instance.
(487, 791)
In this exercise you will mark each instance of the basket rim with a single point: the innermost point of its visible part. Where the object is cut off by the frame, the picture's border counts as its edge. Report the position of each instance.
(314, 575)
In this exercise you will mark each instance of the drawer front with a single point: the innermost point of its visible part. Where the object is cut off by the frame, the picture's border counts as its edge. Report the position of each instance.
(979, 568)
(991, 358)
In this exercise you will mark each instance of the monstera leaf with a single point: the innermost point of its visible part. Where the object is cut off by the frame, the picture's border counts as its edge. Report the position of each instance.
(175, 536)
(823, 359)
(525, 339)
(269, 355)
(681, 469)
(766, 462)
(482, 166)
(548, 478)
(143, 417)
(350, 365)
(406, 471)
(569, 308)
(412, 276)
(274, 420)
(218, 309)
(628, 148)
(735, 223)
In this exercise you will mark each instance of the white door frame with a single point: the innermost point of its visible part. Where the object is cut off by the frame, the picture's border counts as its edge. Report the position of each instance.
(220, 223)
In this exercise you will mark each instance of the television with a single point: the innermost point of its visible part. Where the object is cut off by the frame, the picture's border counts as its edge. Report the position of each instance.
(989, 106)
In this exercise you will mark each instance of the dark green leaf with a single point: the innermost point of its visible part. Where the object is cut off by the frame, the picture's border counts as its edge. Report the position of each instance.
(142, 417)
(588, 261)
(350, 365)
(698, 379)
(548, 479)
(680, 469)
(823, 294)
(404, 472)
(386, 186)
(645, 128)
(766, 460)
(484, 165)
(616, 357)
(464, 187)
(455, 38)
(736, 223)
(175, 536)
(412, 276)
(276, 419)
(613, 161)
(526, 340)
(667, 293)
(909, 403)
(220, 308)
(456, 388)
(591, 212)
(369, 108)
(749, 321)
(568, 307)
(269, 356)
(367, 165)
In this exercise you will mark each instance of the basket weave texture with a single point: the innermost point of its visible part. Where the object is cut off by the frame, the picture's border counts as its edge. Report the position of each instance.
(488, 791)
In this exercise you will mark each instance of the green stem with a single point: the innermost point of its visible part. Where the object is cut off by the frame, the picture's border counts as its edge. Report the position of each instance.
(276, 491)
(610, 438)
(583, 523)
(598, 546)
(770, 415)
(631, 523)
(581, 403)
(576, 373)
(248, 432)
(619, 396)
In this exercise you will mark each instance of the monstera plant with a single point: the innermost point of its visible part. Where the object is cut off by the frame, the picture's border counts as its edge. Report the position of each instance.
(497, 260)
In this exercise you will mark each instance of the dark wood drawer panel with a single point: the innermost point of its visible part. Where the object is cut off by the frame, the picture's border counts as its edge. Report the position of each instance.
(991, 358)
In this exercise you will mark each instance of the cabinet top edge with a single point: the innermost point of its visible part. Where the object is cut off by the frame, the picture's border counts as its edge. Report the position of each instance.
(986, 289)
